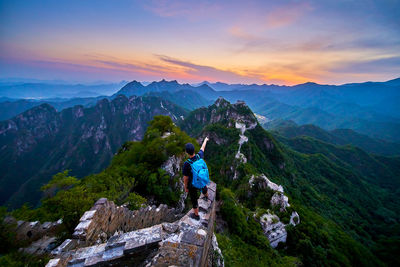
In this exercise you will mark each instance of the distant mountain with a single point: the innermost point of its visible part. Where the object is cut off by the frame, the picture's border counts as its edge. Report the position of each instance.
(369, 108)
(185, 98)
(337, 137)
(136, 88)
(9, 109)
(219, 86)
(48, 90)
(41, 141)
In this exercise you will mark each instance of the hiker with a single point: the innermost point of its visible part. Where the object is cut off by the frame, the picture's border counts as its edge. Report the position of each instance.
(188, 176)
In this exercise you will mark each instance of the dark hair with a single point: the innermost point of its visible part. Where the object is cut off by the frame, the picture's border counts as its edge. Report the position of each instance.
(189, 147)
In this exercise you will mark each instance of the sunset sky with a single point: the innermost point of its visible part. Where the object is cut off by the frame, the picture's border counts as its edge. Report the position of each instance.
(280, 42)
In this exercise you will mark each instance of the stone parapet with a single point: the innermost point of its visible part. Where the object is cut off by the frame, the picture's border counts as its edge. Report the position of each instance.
(185, 242)
(105, 218)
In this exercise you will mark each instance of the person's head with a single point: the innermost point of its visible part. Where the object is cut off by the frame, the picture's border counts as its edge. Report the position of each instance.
(189, 147)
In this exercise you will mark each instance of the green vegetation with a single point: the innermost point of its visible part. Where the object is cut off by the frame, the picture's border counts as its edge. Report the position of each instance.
(133, 175)
(82, 140)
(347, 199)
(345, 204)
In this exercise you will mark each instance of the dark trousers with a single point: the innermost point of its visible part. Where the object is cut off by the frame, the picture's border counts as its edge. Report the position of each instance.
(194, 196)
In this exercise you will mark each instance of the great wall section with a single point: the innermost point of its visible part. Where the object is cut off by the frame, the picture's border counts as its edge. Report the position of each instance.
(110, 235)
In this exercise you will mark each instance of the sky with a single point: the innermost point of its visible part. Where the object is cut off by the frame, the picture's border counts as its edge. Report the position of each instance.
(272, 42)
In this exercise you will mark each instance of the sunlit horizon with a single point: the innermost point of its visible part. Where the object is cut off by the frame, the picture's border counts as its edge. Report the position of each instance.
(261, 42)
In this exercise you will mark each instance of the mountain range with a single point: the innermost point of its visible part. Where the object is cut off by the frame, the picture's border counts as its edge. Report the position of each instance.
(347, 199)
(370, 108)
(41, 141)
(340, 137)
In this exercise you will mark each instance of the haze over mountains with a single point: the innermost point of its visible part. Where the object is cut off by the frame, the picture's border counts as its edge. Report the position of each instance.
(339, 115)
(336, 155)
(371, 108)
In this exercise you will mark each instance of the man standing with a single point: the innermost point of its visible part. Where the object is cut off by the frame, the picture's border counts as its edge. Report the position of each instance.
(188, 177)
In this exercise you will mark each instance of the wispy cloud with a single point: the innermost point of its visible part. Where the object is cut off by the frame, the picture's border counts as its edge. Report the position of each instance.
(202, 72)
(286, 14)
(188, 9)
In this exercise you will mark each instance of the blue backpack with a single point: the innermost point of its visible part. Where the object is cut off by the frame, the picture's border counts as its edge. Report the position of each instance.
(200, 172)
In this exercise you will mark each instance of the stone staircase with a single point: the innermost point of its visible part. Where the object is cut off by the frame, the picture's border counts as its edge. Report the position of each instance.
(115, 236)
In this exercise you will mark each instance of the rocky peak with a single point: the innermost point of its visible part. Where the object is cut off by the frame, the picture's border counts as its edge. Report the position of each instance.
(222, 110)
(221, 102)
(41, 111)
(135, 83)
(131, 88)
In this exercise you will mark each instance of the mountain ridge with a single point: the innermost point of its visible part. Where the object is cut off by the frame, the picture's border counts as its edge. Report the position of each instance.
(77, 138)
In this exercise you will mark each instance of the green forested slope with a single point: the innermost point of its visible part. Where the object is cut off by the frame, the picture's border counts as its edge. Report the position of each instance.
(347, 217)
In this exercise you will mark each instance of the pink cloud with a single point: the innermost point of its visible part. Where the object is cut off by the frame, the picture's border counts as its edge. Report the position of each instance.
(191, 10)
(287, 14)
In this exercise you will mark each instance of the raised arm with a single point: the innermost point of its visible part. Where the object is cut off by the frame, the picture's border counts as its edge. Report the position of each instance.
(203, 146)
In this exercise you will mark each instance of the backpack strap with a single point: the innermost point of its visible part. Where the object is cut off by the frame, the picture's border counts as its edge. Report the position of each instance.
(190, 161)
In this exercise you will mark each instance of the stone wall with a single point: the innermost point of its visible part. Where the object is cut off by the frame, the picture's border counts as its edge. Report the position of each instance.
(27, 232)
(105, 218)
(185, 242)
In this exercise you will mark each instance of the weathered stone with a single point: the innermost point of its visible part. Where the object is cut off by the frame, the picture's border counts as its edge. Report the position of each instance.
(280, 200)
(273, 229)
(263, 182)
(105, 218)
(177, 254)
(67, 245)
(29, 232)
(212, 186)
(41, 246)
(217, 257)
(294, 218)
(204, 205)
(170, 227)
(54, 263)
(88, 215)
(183, 243)
(194, 237)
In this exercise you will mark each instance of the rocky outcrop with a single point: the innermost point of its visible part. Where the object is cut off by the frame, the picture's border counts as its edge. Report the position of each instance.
(185, 242)
(262, 182)
(216, 257)
(273, 228)
(280, 200)
(221, 112)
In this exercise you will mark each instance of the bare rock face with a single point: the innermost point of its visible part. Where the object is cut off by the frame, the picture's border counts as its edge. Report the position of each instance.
(173, 167)
(263, 182)
(280, 200)
(294, 218)
(217, 258)
(273, 229)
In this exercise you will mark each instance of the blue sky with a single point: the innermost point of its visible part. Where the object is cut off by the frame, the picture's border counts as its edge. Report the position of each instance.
(282, 42)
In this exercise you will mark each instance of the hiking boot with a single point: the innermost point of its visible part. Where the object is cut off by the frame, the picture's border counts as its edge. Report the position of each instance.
(194, 216)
